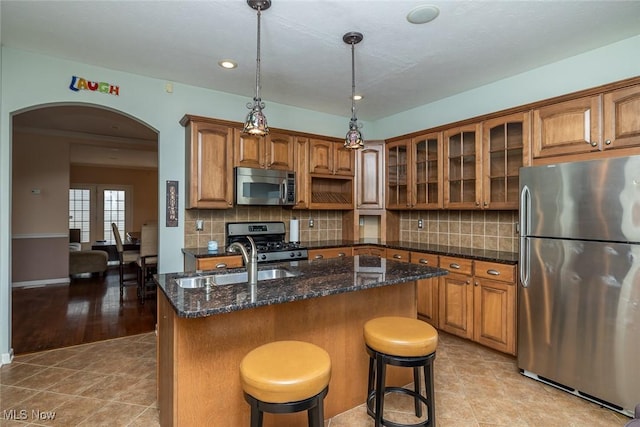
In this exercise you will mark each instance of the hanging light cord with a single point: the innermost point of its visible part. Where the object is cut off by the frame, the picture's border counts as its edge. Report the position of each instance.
(257, 98)
(353, 82)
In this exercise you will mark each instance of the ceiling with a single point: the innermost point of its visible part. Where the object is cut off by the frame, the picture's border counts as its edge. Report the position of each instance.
(305, 63)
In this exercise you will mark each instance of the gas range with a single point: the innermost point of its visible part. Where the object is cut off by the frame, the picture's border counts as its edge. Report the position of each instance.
(269, 237)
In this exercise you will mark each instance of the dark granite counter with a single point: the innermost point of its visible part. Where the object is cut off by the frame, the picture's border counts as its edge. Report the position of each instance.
(314, 279)
(479, 254)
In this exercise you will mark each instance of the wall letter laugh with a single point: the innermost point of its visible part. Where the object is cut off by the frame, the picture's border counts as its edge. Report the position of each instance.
(80, 83)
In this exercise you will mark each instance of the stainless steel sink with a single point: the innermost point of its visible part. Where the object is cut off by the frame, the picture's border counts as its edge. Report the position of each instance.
(233, 278)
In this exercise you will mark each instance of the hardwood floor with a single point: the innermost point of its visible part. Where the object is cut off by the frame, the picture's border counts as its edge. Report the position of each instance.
(89, 309)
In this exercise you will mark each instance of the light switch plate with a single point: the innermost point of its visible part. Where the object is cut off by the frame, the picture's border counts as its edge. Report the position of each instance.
(199, 224)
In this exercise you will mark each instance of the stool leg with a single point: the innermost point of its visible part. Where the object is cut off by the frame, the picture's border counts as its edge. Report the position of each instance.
(315, 415)
(372, 376)
(256, 416)
(380, 377)
(416, 388)
(429, 390)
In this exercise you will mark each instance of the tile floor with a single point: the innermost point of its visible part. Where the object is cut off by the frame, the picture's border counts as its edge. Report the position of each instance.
(112, 383)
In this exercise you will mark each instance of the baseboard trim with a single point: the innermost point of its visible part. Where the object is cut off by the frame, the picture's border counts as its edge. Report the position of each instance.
(40, 283)
(6, 358)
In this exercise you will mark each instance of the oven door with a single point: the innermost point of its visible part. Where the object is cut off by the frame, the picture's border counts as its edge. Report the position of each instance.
(264, 187)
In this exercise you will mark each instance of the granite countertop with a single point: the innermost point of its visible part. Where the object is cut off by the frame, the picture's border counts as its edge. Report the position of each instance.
(315, 279)
(479, 254)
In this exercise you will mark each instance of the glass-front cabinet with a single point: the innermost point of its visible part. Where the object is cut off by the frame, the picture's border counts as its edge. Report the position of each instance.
(506, 146)
(463, 166)
(397, 161)
(414, 171)
(427, 163)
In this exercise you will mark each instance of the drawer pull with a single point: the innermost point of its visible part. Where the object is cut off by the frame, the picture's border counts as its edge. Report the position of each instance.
(319, 256)
(423, 261)
(342, 254)
(493, 272)
(221, 265)
(454, 265)
(397, 256)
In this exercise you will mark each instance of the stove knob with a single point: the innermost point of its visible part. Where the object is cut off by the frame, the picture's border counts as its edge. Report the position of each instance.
(299, 253)
(263, 256)
(292, 254)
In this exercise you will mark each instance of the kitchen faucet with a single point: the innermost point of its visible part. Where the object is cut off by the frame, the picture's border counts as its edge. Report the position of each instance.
(250, 261)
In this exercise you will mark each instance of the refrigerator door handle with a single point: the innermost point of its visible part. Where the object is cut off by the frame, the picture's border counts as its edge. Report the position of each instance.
(525, 225)
(525, 268)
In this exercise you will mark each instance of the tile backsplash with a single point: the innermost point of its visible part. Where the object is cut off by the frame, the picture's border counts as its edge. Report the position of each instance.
(327, 225)
(494, 230)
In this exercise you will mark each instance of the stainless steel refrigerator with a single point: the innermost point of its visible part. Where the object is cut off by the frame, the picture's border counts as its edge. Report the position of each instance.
(579, 293)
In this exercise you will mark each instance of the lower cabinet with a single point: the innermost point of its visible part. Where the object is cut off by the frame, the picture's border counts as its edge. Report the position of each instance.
(427, 290)
(494, 305)
(330, 253)
(477, 301)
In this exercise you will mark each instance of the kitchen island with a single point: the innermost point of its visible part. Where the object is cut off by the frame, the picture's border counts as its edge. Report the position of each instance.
(203, 333)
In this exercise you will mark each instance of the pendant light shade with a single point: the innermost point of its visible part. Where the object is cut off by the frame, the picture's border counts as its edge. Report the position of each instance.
(256, 121)
(353, 140)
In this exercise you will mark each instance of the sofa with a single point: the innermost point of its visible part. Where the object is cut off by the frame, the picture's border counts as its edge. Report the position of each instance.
(88, 261)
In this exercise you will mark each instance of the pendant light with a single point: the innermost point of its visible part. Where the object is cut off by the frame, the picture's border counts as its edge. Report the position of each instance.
(353, 140)
(256, 122)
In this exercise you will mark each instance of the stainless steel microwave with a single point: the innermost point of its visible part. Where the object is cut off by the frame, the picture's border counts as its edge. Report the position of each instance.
(265, 187)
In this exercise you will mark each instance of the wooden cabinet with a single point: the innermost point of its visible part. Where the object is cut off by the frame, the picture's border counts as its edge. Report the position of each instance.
(456, 297)
(505, 150)
(477, 300)
(370, 250)
(589, 125)
(494, 301)
(463, 167)
(370, 176)
(301, 167)
(427, 289)
(399, 255)
(415, 173)
(274, 151)
(191, 263)
(331, 158)
(209, 164)
(315, 254)
(331, 169)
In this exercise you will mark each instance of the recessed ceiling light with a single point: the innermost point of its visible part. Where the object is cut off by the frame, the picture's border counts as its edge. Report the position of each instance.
(423, 14)
(357, 97)
(228, 64)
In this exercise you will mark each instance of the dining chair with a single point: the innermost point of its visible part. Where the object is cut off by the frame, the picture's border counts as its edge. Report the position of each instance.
(125, 257)
(148, 259)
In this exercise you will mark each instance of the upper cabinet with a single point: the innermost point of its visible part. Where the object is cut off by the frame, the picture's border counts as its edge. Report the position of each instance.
(505, 149)
(370, 176)
(274, 151)
(463, 167)
(584, 126)
(301, 167)
(331, 158)
(415, 173)
(209, 164)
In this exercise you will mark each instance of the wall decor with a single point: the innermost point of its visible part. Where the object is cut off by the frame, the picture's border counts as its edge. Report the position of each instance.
(172, 203)
(80, 83)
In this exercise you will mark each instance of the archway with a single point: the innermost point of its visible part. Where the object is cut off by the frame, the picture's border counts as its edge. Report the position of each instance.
(54, 145)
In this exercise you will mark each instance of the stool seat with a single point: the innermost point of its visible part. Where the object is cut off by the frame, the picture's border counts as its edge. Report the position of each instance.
(400, 336)
(285, 371)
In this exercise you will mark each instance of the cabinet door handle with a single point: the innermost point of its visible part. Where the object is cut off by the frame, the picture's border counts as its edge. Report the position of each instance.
(594, 144)
(485, 204)
(493, 272)
(423, 261)
(319, 256)
(607, 142)
(342, 254)
(477, 284)
(221, 265)
(397, 256)
(468, 282)
(454, 265)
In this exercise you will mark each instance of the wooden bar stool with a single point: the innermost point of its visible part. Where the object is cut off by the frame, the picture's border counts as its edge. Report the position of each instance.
(405, 342)
(284, 377)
